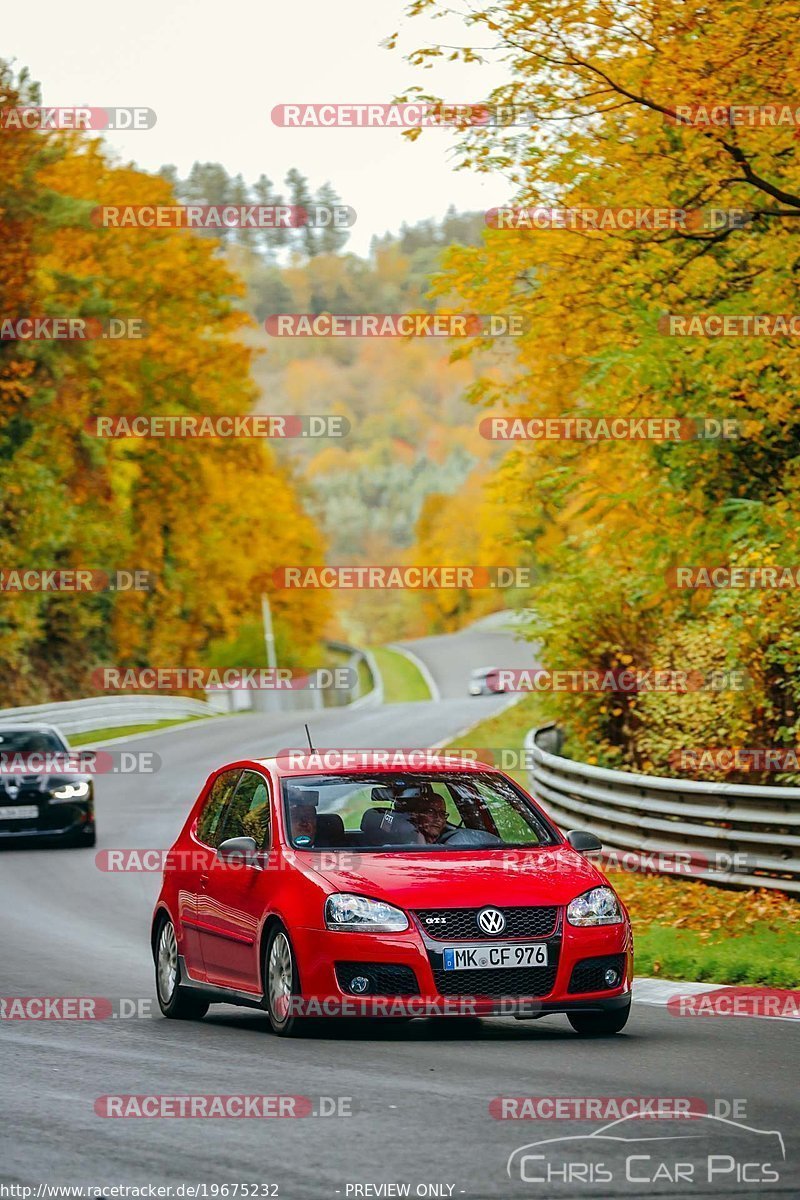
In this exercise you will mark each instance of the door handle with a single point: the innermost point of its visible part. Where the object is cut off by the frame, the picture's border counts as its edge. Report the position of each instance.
(203, 882)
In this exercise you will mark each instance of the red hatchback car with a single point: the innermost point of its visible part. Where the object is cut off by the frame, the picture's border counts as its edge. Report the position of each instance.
(310, 889)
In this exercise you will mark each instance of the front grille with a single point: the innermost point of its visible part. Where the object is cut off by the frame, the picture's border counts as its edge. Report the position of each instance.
(509, 982)
(461, 924)
(386, 979)
(587, 975)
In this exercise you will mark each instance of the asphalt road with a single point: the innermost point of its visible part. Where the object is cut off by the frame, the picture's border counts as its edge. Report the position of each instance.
(419, 1094)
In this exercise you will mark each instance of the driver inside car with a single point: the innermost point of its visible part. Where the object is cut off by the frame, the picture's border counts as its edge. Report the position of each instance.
(427, 812)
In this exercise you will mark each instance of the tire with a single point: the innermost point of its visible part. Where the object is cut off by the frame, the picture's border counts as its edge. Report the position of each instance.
(601, 1024)
(176, 1003)
(281, 984)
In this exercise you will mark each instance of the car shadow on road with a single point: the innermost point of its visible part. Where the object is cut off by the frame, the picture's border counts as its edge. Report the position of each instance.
(420, 1029)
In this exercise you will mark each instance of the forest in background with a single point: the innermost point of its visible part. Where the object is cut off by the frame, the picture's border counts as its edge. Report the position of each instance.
(210, 520)
(608, 522)
(379, 493)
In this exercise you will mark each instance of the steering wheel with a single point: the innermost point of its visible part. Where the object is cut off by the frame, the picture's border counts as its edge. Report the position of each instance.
(446, 834)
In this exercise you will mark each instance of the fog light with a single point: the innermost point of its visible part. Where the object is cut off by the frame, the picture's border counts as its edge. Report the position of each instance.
(359, 984)
(611, 977)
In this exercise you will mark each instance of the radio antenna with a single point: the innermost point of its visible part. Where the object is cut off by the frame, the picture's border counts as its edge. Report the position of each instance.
(310, 743)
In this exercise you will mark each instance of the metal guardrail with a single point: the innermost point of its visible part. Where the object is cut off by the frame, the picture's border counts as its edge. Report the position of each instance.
(375, 694)
(107, 712)
(742, 834)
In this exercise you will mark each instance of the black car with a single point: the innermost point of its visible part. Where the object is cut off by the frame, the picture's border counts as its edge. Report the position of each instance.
(46, 790)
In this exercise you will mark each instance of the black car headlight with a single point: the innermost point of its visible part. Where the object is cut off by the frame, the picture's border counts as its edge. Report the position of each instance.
(63, 793)
(597, 907)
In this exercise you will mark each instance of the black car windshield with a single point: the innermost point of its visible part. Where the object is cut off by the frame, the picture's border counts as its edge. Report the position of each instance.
(437, 811)
(30, 741)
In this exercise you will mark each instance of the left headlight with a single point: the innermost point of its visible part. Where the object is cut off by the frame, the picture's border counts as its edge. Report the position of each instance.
(357, 913)
(71, 791)
(597, 907)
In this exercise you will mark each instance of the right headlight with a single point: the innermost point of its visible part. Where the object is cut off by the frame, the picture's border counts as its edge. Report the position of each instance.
(62, 792)
(359, 914)
(597, 907)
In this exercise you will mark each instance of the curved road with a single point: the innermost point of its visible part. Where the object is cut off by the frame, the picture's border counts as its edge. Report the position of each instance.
(419, 1093)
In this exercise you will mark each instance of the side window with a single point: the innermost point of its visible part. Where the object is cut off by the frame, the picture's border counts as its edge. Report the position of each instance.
(248, 812)
(209, 823)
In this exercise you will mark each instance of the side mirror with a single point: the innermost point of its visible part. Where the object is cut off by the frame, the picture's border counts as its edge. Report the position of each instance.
(87, 756)
(238, 850)
(582, 841)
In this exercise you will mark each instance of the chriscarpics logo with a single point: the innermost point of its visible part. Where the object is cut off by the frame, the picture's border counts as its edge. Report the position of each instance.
(636, 1153)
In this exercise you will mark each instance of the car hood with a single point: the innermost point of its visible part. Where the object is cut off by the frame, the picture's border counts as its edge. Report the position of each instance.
(460, 879)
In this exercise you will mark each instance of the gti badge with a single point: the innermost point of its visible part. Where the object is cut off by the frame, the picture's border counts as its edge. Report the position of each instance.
(491, 920)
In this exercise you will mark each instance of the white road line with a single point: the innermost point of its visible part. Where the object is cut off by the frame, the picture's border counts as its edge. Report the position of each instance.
(647, 990)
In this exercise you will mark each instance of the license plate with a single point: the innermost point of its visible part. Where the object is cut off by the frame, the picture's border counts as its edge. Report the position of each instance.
(487, 957)
(18, 812)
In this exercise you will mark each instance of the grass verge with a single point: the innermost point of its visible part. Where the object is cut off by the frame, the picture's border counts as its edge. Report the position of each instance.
(101, 735)
(402, 680)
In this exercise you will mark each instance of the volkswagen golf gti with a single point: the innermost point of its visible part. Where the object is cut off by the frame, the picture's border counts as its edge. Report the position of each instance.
(308, 887)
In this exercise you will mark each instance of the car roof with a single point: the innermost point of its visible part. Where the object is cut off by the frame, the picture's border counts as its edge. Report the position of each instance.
(370, 762)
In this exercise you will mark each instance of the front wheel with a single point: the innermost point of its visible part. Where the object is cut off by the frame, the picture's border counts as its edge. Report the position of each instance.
(600, 1024)
(282, 985)
(175, 1002)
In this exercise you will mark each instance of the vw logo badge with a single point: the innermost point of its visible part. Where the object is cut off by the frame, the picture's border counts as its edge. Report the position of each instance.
(491, 920)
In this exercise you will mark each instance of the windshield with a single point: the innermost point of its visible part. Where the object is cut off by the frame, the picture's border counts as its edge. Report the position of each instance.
(30, 741)
(453, 811)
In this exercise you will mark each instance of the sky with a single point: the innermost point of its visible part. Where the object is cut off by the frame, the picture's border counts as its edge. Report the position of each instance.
(213, 72)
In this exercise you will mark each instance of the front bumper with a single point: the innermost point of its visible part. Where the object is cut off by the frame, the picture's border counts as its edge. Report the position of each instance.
(412, 963)
(52, 822)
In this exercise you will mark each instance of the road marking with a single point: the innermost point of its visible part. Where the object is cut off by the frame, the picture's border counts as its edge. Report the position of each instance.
(659, 992)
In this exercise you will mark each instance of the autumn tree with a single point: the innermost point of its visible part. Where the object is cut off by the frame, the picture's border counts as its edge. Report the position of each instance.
(599, 89)
(209, 519)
